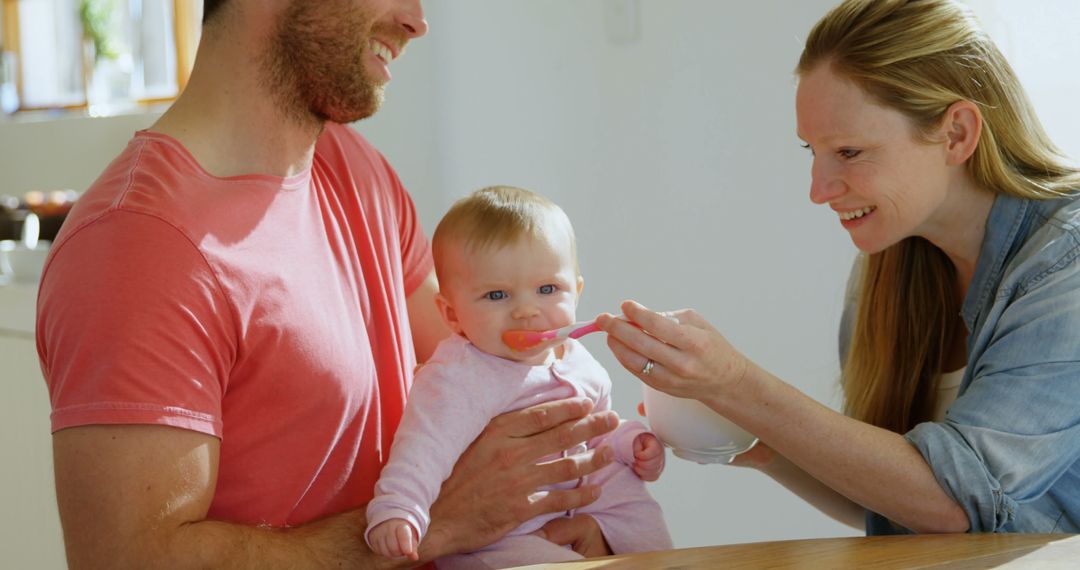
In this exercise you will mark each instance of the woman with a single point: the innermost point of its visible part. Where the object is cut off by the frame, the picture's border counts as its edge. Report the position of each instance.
(925, 145)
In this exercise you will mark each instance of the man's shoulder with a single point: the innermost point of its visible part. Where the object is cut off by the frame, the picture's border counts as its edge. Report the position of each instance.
(337, 139)
(135, 172)
(343, 154)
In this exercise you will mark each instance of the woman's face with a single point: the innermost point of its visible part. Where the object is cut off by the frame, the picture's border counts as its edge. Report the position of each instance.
(883, 183)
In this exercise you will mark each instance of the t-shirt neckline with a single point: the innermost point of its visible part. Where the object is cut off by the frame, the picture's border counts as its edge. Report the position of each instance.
(297, 181)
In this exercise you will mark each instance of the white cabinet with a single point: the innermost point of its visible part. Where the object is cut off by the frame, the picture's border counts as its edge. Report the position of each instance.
(30, 535)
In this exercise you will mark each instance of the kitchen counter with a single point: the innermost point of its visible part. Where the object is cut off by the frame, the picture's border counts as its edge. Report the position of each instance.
(30, 534)
(17, 305)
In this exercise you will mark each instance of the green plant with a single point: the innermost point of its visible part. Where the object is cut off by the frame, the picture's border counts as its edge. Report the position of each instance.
(97, 23)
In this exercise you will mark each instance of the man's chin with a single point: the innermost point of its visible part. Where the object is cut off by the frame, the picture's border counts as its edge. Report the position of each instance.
(357, 110)
(345, 118)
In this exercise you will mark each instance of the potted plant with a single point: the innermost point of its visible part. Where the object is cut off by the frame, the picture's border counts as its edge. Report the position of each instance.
(106, 63)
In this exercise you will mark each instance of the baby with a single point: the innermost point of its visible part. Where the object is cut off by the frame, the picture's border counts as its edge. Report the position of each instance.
(506, 260)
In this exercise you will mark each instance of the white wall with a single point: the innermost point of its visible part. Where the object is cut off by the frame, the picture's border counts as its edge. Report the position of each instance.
(62, 153)
(675, 156)
(1043, 46)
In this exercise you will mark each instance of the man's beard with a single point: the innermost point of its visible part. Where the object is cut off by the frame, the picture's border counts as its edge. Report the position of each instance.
(315, 64)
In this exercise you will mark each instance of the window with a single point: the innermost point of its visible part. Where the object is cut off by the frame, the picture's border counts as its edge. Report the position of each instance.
(102, 55)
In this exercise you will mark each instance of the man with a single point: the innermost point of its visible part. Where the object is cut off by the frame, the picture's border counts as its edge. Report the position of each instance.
(229, 321)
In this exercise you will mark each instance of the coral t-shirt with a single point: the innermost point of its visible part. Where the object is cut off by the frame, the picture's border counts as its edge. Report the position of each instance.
(268, 312)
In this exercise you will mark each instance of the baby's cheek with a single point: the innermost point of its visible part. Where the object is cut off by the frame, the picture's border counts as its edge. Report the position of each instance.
(562, 315)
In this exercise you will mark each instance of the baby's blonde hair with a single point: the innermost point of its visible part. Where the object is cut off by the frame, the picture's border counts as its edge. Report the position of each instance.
(495, 217)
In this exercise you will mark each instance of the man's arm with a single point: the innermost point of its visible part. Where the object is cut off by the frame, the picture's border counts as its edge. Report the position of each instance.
(136, 496)
(428, 328)
(133, 496)
(492, 489)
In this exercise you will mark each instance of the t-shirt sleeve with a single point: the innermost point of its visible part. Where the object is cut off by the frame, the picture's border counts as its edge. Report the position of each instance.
(133, 328)
(416, 262)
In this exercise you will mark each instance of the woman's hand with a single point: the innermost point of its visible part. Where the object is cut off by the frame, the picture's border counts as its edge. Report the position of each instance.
(493, 488)
(691, 359)
(759, 457)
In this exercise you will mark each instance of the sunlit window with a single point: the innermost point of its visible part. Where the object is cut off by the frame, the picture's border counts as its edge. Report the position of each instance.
(102, 55)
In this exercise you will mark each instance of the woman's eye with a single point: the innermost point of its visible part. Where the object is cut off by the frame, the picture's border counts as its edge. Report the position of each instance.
(807, 147)
(848, 152)
(547, 289)
(495, 295)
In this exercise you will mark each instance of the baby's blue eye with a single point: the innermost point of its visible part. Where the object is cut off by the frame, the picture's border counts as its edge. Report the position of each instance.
(547, 289)
(495, 295)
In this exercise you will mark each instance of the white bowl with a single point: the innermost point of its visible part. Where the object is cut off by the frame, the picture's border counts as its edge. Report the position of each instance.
(693, 430)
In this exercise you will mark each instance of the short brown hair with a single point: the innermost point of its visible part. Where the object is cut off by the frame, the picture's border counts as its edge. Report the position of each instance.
(210, 7)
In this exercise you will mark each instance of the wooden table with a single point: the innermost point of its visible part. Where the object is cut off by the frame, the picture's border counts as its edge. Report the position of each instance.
(1008, 551)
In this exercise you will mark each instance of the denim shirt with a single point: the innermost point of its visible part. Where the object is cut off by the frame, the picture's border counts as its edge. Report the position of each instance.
(1008, 451)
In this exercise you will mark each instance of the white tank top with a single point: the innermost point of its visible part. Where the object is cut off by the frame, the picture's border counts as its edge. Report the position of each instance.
(948, 386)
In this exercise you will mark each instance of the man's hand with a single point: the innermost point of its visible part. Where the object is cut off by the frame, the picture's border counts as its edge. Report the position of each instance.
(581, 532)
(492, 489)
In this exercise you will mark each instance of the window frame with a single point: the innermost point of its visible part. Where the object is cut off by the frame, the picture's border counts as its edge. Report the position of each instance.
(186, 30)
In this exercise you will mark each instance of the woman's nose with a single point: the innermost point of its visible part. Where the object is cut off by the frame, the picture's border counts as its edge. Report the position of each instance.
(825, 186)
(411, 18)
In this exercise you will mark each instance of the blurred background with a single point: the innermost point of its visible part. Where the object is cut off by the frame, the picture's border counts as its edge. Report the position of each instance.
(664, 128)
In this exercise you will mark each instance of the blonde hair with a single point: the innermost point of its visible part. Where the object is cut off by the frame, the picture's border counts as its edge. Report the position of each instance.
(494, 217)
(919, 57)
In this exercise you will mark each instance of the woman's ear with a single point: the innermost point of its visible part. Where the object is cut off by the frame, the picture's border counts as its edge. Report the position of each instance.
(447, 312)
(962, 126)
(580, 285)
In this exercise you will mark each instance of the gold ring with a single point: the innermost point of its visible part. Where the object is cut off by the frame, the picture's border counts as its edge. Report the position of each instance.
(648, 367)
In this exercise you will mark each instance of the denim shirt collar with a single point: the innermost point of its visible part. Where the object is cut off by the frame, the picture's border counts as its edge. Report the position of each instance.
(1007, 227)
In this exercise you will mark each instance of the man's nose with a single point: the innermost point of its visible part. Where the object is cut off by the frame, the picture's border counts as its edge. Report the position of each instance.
(411, 19)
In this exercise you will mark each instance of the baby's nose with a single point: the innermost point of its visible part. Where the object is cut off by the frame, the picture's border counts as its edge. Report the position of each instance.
(525, 311)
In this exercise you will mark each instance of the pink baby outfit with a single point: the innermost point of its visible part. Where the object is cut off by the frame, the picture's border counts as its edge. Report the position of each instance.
(453, 398)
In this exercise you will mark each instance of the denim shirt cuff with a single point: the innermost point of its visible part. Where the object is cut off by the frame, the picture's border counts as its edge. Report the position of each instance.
(963, 476)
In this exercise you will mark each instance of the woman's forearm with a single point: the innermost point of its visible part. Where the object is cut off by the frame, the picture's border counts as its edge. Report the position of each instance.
(809, 489)
(873, 467)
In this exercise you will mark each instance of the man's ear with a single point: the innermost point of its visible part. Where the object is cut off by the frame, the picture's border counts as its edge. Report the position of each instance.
(962, 126)
(447, 312)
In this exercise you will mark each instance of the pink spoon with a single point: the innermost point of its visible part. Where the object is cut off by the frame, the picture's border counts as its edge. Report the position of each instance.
(520, 341)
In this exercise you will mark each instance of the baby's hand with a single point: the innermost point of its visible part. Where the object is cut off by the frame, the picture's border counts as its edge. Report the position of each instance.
(394, 538)
(648, 457)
